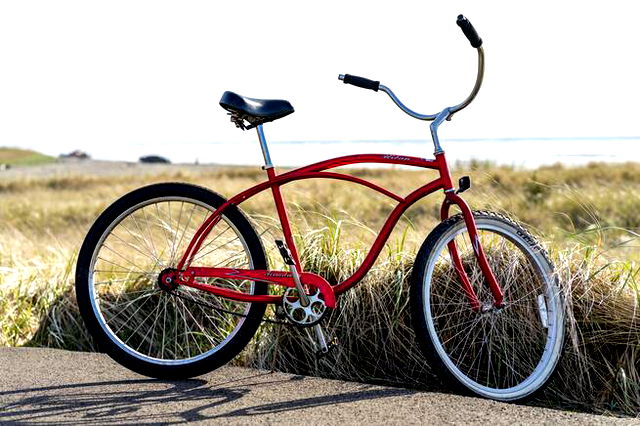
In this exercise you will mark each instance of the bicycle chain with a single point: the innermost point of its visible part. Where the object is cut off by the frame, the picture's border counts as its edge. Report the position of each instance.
(208, 305)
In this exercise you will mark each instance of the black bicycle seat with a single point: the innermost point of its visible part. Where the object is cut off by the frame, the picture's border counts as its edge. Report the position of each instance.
(255, 111)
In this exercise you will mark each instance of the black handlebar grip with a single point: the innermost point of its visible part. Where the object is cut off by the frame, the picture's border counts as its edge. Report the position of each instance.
(365, 83)
(469, 31)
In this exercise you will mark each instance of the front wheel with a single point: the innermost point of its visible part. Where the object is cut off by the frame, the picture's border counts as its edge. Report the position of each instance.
(507, 353)
(151, 328)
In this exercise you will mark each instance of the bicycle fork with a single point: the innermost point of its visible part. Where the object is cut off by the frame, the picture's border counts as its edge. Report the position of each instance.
(467, 287)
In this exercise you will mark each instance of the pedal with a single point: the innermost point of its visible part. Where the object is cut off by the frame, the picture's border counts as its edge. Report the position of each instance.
(324, 348)
(330, 347)
(288, 260)
(285, 253)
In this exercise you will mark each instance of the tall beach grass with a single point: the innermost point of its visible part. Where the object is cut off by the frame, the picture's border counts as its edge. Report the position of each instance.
(587, 216)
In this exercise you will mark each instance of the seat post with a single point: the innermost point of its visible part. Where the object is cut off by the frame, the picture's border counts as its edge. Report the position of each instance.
(265, 148)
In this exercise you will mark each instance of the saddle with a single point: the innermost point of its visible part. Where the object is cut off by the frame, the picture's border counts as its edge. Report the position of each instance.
(247, 113)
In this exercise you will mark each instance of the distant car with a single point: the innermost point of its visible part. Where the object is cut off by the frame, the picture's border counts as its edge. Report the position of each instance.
(154, 159)
(77, 154)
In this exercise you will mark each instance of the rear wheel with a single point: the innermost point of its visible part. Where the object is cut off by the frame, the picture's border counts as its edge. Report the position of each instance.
(154, 329)
(505, 354)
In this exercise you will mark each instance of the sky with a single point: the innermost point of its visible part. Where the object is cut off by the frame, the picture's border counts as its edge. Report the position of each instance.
(121, 78)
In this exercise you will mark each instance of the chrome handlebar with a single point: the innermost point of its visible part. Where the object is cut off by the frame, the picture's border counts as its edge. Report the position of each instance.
(427, 117)
(403, 107)
(446, 114)
(452, 110)
(476, 88)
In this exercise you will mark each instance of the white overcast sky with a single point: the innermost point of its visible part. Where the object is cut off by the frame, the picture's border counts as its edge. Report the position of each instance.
(106, 75)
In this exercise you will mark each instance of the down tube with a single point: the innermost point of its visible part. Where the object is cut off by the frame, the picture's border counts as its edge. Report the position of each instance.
(383, 236)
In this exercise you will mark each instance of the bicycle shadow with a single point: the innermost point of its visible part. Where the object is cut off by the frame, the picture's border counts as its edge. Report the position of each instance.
(123, 401)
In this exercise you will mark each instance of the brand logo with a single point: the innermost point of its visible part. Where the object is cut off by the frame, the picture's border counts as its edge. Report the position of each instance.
(278, 274)
(396, 157)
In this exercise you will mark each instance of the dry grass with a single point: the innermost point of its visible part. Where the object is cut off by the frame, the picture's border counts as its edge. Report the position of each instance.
(588, 215)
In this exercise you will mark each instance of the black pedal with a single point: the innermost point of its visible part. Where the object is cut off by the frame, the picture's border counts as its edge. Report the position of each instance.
(285, 253)
(330, 348)
(464, 183)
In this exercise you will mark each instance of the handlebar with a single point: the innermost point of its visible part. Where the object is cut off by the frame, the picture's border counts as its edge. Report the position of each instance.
(476, 42)
(469, 31)
(365, 83)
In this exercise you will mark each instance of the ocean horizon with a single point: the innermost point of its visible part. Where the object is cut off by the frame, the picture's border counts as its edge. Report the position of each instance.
(516, 152)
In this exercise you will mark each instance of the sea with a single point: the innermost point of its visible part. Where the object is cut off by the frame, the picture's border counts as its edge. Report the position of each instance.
(516, 152)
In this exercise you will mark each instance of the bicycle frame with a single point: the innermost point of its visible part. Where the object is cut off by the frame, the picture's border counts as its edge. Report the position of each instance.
(187, 274)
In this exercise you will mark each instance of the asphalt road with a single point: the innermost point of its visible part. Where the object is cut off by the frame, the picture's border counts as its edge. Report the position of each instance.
(54, 386)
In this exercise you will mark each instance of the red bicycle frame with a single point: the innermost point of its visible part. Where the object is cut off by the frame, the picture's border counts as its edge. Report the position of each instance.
(186, 274)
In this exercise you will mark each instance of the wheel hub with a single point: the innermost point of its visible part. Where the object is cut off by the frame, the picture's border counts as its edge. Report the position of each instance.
(490, 308)
(168, 279)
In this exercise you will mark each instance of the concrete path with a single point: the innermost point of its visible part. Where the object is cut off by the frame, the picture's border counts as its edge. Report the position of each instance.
(54, 386)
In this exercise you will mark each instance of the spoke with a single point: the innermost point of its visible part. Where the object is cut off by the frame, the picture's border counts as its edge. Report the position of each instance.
(216, 248)
(164, 327)
(187, 226)
(140, 240)
(161, 225)
(472, 321)
(204, 332)
(121, 271)
(173, 240)
(146, 222)
(147, 297)
(128, 293)
(142, 323)
(152, 249)
(120, 256)
(155, 259)
(186, 328)
(116, 281)
(467, 332)
(174, 248)
(150, 330)
(228, 319)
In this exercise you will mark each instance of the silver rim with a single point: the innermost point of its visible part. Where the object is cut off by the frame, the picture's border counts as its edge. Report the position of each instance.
(501, 354)
(145, 321)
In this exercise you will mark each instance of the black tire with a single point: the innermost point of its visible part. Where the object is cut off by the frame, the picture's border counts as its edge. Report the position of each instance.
(458, 342)
(127, 210)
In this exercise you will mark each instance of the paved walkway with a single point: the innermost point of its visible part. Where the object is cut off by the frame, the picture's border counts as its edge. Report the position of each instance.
(54, 386)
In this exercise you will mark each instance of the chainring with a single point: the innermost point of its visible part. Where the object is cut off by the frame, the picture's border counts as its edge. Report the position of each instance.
(303, 316)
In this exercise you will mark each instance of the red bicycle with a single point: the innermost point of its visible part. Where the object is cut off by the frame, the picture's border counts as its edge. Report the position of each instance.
(172, 279)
